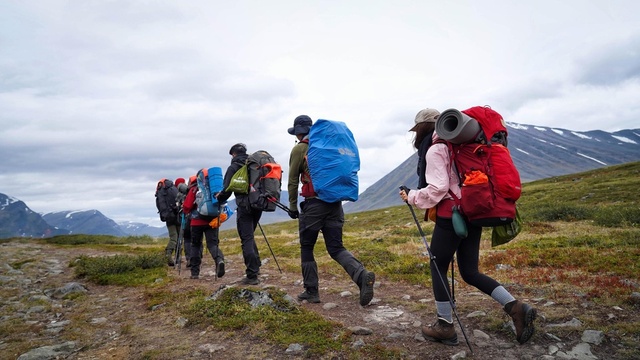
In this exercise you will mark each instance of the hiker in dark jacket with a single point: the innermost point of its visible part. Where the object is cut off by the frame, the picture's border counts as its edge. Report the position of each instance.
(247, 218)
(186, 233)
(441, 178)
(166, 194)
(199, 227)
(317, 216)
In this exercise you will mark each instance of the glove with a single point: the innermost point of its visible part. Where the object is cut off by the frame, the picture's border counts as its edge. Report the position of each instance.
(294, 214)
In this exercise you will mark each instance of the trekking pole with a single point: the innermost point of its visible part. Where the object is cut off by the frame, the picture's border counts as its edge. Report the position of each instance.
(453, 284)
(274, 255)
(279, 204)
(432, 259)
(178, 260)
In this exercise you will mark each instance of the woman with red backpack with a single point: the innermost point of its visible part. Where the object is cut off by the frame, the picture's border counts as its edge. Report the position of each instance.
(440, 181)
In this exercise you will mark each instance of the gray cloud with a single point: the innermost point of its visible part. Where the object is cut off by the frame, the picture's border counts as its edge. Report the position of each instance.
(612, 64)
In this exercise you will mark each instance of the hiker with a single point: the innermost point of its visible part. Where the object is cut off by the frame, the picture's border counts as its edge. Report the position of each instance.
(166, 194)
(317, 216)
(247, 217)
(199, 227)
(186, 235)
(439, 178)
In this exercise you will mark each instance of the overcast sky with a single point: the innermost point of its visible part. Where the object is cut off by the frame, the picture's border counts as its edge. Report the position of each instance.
(100, 99)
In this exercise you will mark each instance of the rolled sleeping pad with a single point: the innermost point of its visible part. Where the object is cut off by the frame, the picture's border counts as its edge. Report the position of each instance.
(456, 127)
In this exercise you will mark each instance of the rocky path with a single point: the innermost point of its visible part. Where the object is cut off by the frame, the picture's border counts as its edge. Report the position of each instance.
(111, 322)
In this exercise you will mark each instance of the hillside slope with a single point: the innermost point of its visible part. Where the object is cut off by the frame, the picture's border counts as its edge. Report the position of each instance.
(538, 152)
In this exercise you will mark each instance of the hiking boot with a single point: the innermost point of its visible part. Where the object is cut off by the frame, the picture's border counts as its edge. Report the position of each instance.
(195, 276)
(169, 257)
(310, 295)
(220, 269)
(523, 316)
(250, 281)
(366, 287)
(442, 331)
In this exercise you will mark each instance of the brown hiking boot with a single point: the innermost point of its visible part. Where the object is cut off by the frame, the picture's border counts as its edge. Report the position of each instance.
(523, 316)
(442, 331)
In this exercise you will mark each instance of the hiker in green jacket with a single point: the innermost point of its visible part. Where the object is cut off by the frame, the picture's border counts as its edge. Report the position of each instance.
(317, 216)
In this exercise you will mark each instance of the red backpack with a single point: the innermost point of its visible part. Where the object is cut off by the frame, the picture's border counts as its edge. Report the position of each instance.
(489, 181)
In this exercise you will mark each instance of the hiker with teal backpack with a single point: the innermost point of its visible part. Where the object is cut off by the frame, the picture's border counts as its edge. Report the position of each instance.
(247, 217)
(200, 227)
(441, 189)
(319, 215)
(185, 222)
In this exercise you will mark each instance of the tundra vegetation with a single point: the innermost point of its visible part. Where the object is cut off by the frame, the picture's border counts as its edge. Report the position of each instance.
(580, 243)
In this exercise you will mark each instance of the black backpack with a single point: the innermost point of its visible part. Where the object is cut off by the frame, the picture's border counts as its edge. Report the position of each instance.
(166, 195)
(265, 180)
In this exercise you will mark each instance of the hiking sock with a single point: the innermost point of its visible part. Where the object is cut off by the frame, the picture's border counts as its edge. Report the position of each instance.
(444, 310)
(501, 295)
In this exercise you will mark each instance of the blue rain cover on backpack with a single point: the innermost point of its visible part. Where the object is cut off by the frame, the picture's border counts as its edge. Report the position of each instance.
(334, 161)
(210, 182)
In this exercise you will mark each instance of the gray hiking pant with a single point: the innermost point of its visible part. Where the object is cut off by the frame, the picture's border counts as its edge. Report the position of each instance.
(173, 238)
(329, 217)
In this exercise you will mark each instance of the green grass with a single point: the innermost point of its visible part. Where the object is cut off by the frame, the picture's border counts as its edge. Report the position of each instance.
(81, 239)
(283, 324)
(581, 235)
(125, 270)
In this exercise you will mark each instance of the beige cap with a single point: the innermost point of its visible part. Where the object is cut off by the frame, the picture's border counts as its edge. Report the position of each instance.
(426, 115)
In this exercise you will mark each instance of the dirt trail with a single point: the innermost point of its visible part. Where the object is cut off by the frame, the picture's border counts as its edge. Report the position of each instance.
(116, 323)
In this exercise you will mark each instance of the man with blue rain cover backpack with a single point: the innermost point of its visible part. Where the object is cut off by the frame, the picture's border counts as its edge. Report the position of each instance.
(326, 161)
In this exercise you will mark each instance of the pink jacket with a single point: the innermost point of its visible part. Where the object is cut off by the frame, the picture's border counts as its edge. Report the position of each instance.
(440, 176)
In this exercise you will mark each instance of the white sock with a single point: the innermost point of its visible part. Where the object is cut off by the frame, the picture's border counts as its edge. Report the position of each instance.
(501, 295)
(444, 310)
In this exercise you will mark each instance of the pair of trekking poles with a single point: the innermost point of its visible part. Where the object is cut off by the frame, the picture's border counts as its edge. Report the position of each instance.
(432, 260)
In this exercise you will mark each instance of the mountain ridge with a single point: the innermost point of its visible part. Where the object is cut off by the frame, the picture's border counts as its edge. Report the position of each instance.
(538, 152)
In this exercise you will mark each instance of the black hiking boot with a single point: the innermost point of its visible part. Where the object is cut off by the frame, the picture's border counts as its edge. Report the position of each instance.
(220, 269)
(442, 331)
(367, 279)
(250, 281)
(311, 295)
(523, 316)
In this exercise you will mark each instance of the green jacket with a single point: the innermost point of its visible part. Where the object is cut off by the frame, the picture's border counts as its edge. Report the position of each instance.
(299, 173)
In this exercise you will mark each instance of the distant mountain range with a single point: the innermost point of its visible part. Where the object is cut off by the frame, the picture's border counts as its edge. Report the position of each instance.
(18, 220)
(538, 152)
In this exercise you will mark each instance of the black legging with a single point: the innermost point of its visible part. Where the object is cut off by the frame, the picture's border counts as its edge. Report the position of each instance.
(444, 243)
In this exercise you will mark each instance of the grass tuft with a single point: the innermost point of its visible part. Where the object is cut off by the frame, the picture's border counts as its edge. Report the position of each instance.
(123, 270)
